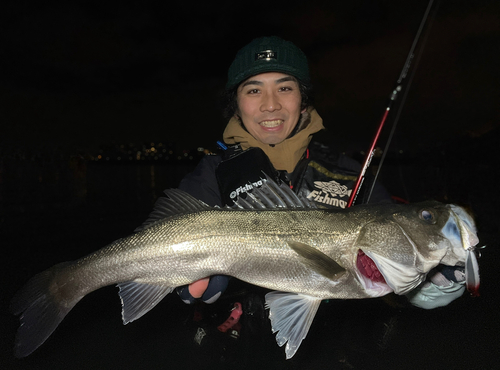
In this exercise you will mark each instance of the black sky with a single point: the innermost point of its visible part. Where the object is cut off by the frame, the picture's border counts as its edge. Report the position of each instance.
(85, 73)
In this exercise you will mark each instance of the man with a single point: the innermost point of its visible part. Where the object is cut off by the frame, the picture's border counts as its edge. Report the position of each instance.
(270, 129)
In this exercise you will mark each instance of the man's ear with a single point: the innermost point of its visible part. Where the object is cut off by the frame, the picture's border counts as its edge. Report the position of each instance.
(237, 116)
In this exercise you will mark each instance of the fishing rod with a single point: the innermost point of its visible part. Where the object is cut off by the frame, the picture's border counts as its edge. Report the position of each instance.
(394, 94)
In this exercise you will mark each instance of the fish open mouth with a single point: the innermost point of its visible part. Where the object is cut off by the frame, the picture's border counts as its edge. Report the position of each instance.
(368, 268)
(370, 276)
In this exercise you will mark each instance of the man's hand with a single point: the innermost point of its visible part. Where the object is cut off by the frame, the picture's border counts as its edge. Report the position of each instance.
(197, 288)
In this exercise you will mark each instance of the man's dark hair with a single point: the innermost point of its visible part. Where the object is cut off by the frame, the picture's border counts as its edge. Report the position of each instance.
(229, 100)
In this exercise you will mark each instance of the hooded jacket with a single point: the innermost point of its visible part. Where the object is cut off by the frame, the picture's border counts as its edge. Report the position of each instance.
(285, 155)
(311, 169)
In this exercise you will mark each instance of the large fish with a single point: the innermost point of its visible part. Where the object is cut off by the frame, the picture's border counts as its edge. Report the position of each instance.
(273, 240)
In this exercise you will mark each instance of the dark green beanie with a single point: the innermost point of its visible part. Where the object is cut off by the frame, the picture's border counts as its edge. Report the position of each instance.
(267, 54)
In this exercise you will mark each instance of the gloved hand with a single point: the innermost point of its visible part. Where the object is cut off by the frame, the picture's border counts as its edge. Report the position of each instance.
(444, 285)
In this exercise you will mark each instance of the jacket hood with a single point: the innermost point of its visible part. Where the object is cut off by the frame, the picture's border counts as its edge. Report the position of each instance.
(285, 155)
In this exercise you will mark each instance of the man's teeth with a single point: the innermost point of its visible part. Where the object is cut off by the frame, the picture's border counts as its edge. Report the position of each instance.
(273, 123)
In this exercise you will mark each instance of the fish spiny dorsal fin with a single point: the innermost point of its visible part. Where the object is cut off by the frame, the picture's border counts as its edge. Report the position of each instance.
(175, 203)
(271, 196)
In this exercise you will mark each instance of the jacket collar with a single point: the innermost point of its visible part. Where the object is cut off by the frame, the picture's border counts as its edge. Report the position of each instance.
(285, 155)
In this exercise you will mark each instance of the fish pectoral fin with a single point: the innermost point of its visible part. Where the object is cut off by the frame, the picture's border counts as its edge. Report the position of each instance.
(317, 260)
(291, 315)
(138, 298)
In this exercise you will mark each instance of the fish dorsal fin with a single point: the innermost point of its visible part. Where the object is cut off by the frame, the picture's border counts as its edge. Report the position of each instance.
(270, 196)
(317, 260)
(291, 316)
(176, 202)
(138, 298)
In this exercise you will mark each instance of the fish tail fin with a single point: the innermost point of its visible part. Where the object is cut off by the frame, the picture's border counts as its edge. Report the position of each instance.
(41, 307)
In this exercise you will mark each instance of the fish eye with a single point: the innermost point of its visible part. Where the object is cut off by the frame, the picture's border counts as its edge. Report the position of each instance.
(427, 216)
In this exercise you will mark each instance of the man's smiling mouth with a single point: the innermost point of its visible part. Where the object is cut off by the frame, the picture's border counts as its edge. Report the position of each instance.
(273, 123)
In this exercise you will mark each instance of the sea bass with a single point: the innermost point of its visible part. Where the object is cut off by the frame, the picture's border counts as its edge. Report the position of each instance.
(272, 239)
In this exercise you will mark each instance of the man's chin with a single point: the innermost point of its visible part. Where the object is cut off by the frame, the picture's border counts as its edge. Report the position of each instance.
(272, 142)
(271, 138)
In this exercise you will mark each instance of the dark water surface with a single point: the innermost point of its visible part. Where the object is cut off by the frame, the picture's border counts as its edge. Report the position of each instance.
(53, 215)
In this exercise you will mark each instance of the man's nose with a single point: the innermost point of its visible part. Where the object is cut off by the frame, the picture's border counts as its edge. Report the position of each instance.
(270, 103)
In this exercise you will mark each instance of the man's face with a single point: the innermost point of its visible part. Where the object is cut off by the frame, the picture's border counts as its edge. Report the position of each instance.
(269, 106)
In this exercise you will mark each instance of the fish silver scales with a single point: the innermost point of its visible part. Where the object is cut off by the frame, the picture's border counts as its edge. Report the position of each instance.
(253, 245)
(307, 254)
(182, 249)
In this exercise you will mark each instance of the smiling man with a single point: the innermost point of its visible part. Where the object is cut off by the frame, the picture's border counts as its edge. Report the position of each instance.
(271, 125)
(269, 106)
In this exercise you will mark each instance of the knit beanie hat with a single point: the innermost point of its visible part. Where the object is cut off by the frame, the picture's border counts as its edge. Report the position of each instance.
(267, 54)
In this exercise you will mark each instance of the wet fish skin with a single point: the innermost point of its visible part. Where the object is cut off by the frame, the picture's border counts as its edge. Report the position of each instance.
(187, 241)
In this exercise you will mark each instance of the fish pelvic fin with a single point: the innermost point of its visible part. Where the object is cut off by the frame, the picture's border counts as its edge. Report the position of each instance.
(317, 260)
(291, 316)
(41, 306)
(138, 298)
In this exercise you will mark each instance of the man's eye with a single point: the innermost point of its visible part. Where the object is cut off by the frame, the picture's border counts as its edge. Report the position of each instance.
(253, 91)
(285, 88)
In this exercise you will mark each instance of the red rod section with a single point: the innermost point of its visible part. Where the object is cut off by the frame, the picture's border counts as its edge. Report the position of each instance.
(367, 161)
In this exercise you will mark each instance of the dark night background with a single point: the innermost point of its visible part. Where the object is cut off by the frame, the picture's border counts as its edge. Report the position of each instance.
(80, 79)
(80, 74)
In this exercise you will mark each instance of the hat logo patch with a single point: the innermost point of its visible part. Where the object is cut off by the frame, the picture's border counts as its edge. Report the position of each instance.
(266, 55)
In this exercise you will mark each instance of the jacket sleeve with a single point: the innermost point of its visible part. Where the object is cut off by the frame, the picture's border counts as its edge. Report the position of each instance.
(202, 182)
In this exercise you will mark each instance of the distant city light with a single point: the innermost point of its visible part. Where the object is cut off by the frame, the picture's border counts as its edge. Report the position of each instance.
(147, 152)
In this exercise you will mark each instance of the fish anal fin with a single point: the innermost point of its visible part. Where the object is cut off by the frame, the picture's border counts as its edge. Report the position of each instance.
(317, 260)
(291, 315)
(138, 298)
